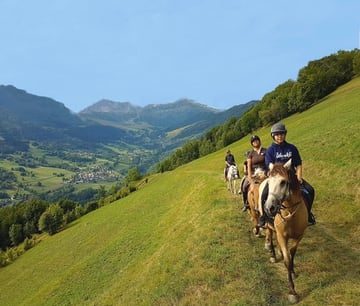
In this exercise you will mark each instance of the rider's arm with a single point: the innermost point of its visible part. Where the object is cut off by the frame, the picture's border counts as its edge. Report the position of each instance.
(297, 162)
(269, 157)
(299, 173)
(249, 168)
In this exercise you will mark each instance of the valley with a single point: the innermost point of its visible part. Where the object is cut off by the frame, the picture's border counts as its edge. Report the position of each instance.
(47, 149)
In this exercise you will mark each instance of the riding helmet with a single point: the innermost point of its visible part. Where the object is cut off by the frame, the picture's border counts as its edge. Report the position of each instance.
(278, 128)
(253, 138)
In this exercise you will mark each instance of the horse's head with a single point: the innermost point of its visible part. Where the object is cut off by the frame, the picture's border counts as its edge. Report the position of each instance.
(259, 175)
(279, 182)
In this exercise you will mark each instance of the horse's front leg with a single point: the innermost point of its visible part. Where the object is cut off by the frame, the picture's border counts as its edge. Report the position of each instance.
(255, 220)
(292, 256)
(269, 244)
(289, 264)
(234, 187)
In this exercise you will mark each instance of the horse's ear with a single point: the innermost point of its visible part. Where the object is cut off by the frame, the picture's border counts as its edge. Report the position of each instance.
(271, 166)
(288, 164)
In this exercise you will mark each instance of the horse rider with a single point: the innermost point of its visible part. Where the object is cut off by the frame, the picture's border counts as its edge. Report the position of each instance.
(229, 161)
(255, 160)
(281, 151)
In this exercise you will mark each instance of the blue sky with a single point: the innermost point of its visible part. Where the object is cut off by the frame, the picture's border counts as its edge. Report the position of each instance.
(216, 52)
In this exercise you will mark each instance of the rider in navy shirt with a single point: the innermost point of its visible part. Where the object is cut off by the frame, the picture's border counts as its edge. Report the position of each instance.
(280, 152)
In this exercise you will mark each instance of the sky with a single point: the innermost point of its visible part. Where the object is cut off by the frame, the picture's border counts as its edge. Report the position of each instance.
(217, 52)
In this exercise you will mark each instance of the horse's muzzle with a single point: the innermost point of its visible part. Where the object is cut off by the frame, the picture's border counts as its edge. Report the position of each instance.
(271, 209)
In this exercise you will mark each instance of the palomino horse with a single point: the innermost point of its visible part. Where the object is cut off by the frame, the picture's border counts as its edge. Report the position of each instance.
(232, 176)
(286, 205)
(253, 199)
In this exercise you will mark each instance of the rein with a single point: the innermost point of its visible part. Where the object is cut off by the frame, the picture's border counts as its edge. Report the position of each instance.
(290, 214)
(282, 207)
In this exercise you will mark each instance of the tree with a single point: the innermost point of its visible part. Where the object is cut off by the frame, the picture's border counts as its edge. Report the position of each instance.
(32, 213)
(52, 219)
(67, 205)
(45, 222)
(16, 234)
(356, 62)
(102, 191)
(133, 175)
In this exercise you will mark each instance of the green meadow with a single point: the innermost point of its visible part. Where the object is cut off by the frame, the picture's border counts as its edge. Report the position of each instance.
(183, 240)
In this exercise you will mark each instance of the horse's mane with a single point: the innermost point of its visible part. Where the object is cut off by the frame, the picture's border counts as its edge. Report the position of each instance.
(294, 183)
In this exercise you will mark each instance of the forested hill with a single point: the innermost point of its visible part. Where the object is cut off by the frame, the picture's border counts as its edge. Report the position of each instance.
(183, 240)
(314, 82)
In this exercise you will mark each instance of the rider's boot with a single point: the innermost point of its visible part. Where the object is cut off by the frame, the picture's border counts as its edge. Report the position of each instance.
(245, 201)
(262, 221)
(311, 219)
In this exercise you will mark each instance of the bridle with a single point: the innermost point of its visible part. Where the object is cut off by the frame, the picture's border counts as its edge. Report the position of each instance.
(280, 200)
(281, 207)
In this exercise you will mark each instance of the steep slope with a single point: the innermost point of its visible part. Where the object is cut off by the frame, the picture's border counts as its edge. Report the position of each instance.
(182, 239)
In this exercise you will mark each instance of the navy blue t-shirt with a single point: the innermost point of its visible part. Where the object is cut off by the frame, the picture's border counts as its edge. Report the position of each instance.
(281, 153)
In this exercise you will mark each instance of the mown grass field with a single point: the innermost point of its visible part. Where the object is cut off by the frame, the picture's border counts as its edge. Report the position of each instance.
(183, 240)
(47, 176)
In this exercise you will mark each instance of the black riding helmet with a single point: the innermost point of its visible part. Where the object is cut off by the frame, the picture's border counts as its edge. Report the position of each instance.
(253, 138)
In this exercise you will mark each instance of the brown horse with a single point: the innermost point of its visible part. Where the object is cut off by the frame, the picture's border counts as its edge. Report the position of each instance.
(253, 200)
(286, 206)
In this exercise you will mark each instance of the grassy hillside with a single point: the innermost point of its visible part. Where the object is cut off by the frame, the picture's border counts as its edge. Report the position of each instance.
(182, 239)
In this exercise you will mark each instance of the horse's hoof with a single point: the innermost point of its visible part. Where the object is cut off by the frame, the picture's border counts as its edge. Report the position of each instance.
(293, 298)
(267, 246)
(272, 259)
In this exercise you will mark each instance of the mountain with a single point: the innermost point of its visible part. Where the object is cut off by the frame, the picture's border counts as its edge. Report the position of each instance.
(107, 112)
(25, 117)
(218, 118)
(187, 116)
(182, 240)
(156, 116)
(18, 106)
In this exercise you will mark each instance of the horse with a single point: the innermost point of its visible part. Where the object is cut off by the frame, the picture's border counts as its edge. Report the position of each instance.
(286, 206)
(232, 176)
(253, 196)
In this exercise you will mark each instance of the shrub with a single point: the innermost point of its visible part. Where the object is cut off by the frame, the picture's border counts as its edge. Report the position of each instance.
(2, 259)
(28, 243)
